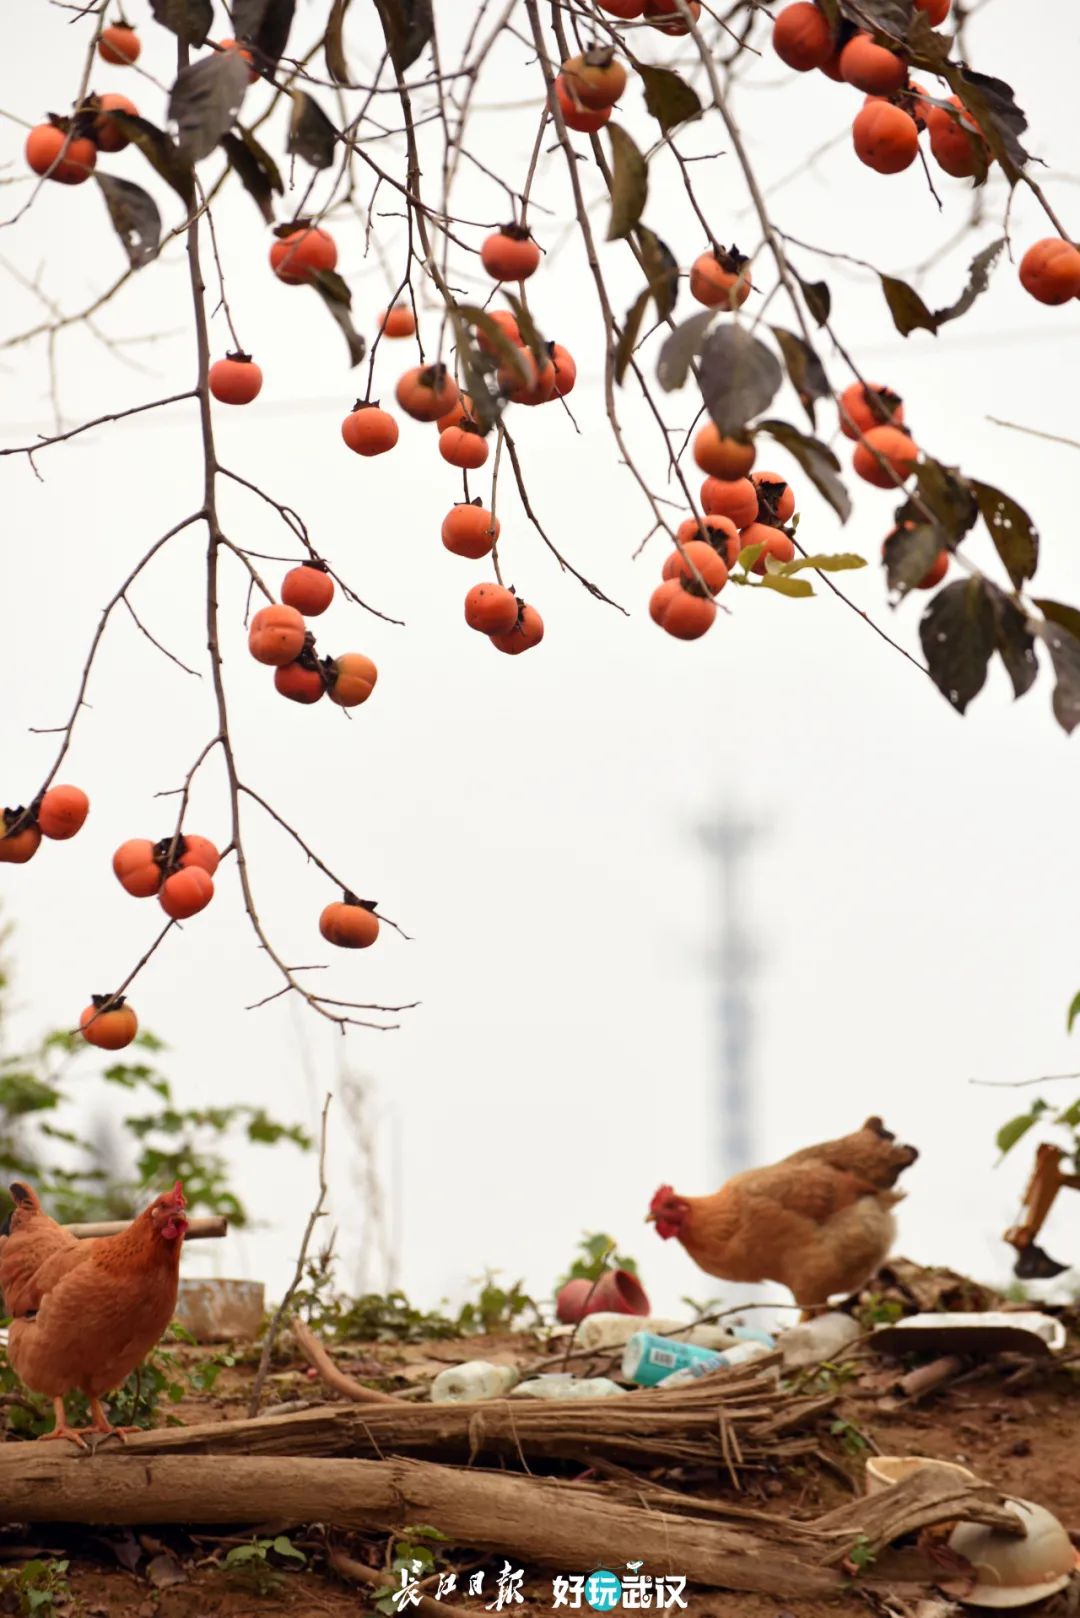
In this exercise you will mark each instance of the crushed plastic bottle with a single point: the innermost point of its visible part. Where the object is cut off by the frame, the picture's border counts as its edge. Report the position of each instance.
(741, 1354)
(604, 1330)
(648, 1359)
(476, 1379)
(561, 1385)
(819, 1339)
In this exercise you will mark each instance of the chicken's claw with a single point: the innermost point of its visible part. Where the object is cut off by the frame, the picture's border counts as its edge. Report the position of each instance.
(73, 1434)
(101, 1424)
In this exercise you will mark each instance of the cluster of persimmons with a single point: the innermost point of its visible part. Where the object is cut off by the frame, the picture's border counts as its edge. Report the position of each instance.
(897, 111)
(749, 519)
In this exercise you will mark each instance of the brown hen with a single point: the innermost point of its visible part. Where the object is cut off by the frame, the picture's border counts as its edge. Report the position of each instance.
(86, 1313)
(819, 1222)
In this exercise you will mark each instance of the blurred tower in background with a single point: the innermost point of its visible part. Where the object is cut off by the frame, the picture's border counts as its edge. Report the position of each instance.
(728, 839)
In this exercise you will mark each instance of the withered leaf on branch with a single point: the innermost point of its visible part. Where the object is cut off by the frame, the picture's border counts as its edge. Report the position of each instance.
(629, 184)
(958, 636)
(135, 218)
(804, 368)
(947, 496)
(993, 106)
(1064, 649)
(408, 26)
(818, 298)
(681, 348)
(255, 168)
(204, 101)
(661, 270)
(478, 373)
(1015, 641)
(187, 19)
(311, 134)
(265, 25)
(668, 97)
(909, 555)
(507, 353)
(530, 332)
(817, 461)
(1012, 530)
(334, 44)
(977, 283)
(246, 17)
(629, 335)
(910, 313)
(1059, 613)
(160, 151)
(891, 16)
(739, 376)
(335, 293)
(926, 46)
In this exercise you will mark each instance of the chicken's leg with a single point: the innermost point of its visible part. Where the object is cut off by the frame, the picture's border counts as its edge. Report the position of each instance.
(61, 1428)
(100, 1423)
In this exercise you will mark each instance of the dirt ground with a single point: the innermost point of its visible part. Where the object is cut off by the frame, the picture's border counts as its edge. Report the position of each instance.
(1018, 1432)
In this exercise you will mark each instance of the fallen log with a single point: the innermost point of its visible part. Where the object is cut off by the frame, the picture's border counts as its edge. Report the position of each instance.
(537, 1522)
(727, 1425)
(923, 1500)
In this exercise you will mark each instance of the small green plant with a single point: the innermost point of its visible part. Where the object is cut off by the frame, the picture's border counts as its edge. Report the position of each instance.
(1066, 1119)
(496, 1309)
(256, 1566)
(34, 1589)
(825, 1379)
(875, 1311)
(377, 1317)
(412, 1560)
(595, 1254)
(852, 1440)
(860, 1558)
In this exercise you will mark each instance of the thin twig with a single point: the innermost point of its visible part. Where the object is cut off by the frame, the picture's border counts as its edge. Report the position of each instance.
(298, 1275)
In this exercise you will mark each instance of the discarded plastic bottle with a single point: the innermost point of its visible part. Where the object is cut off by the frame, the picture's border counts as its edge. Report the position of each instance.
(741, 1354)
(648, 1359)
(819, 1339)
(476, 1379)
(613, 1331)
(559, 1385)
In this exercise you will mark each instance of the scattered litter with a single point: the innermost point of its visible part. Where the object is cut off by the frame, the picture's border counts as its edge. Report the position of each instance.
(1012, 1571)
(616, 1292)
(819, 1339)
(476, 1379)
(997, 1332)
(606, 1330)
(741, 1354)
(562, 1385)
(219, 1310)
(884, 1471)
(649, 1360)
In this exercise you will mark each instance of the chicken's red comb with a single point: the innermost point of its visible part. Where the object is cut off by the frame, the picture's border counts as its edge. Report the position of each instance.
(663, 1195)
(176, 1195)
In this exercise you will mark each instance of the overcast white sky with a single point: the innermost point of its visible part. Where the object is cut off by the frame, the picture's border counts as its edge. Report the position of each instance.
(532, 822)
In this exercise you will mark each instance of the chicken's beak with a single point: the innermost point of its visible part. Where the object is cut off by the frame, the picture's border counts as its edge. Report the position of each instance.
(650, 1218)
